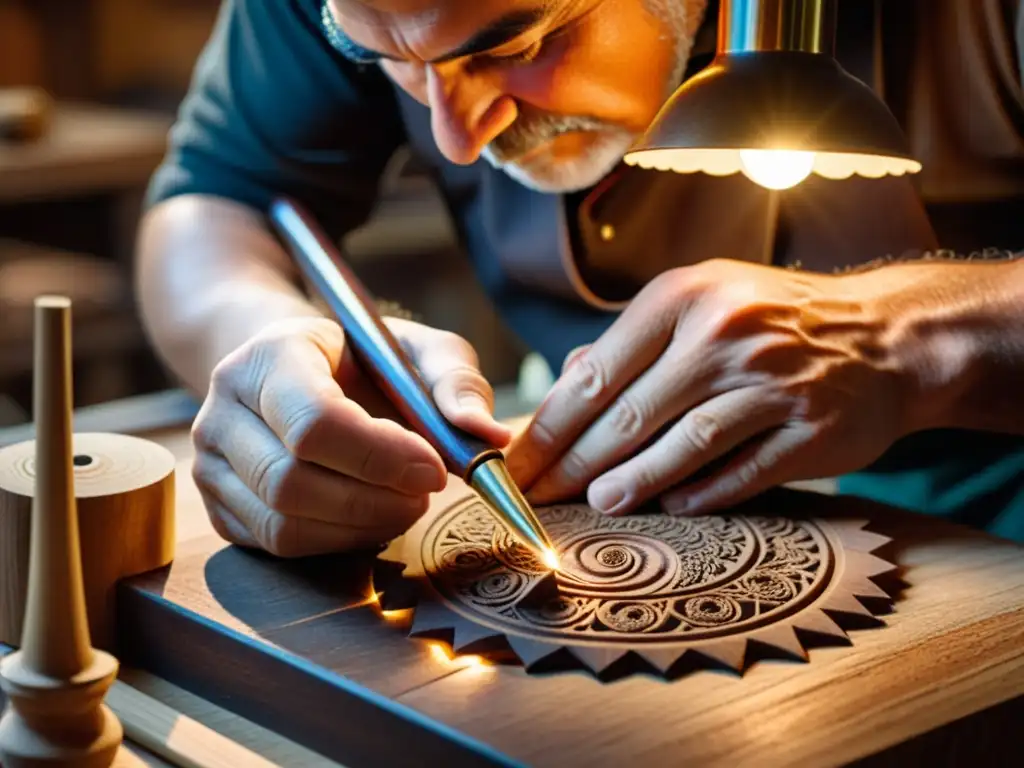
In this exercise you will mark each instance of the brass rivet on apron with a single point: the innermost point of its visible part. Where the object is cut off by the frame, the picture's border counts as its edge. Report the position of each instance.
(607, 232)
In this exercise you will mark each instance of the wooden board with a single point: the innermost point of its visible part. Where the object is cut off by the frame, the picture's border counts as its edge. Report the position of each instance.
(302, 648)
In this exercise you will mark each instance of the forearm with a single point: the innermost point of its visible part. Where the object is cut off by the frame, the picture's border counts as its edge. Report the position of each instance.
(956, 329)
(209, 276)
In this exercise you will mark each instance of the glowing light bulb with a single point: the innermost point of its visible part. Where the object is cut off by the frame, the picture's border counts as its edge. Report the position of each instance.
(776, 168)
(551, 560)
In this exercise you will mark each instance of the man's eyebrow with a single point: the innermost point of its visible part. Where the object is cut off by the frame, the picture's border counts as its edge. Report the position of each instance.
(499, 32)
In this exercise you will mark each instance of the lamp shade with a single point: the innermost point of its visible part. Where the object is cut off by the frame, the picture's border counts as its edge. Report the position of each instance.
(775, 115)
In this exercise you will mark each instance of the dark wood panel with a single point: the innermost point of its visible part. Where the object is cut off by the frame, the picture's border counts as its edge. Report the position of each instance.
(304, 667)
(352, 643)
(251, 592)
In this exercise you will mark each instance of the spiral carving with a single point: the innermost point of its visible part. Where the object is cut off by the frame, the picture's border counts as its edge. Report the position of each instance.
(616, 563)
(499, 587)
(628, 579)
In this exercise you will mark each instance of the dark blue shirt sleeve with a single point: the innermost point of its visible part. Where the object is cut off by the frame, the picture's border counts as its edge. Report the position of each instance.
(273, 109)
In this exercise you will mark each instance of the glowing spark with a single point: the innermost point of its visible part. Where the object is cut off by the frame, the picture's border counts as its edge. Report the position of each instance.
(551, 560)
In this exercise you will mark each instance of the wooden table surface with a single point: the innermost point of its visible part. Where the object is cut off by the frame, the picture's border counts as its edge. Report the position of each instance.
(300, 648)
(89, 148)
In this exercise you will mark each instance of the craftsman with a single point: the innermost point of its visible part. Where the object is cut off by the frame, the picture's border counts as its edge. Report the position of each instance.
(697, 372)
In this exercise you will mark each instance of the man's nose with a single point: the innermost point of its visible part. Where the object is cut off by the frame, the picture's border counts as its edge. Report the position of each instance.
(466, 113)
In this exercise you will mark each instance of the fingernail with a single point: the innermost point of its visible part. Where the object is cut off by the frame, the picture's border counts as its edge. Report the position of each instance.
(605, 495)
(420, 478)
(676, 505)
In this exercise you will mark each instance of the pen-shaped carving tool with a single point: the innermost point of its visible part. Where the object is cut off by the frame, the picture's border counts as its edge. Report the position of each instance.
(479, 464)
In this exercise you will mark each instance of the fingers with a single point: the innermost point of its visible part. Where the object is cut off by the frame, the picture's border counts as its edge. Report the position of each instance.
(278, 480)
(654, 399)
(704, 434)
(573, 356)
(240, 517)
(450, 367)
(289, 383)
(758, 468)
(591, 381)
(225, 522)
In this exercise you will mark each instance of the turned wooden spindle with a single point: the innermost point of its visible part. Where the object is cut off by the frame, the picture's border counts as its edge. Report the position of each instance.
(56, 681)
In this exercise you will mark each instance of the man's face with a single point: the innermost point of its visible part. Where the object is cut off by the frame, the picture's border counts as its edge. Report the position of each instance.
(553, 92)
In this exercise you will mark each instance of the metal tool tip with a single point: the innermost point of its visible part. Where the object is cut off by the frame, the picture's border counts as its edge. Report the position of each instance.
(492, 481)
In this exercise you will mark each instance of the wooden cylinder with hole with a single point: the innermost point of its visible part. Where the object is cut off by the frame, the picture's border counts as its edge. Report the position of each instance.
(124, 490)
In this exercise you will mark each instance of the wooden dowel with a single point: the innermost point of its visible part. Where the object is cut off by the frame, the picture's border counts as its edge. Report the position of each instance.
(56, 638)
(175, 737)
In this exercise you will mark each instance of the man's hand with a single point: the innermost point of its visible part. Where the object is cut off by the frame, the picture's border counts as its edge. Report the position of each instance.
(774, 375)
(297, 454)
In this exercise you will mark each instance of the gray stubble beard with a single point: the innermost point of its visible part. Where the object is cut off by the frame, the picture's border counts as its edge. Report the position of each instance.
(681, 19)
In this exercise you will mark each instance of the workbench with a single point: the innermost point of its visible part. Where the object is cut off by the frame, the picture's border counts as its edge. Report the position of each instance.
(300, 649)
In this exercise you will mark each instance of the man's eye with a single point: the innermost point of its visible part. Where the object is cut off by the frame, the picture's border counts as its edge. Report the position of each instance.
(524, 56)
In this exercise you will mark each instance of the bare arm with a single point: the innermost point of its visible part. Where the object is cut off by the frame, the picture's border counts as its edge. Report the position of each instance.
(209, 277)
(959, 328)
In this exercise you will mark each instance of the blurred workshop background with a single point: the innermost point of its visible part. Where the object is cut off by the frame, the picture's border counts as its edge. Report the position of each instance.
(88, 89)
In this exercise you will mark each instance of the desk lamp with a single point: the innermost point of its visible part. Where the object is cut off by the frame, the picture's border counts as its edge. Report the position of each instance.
(775, 105)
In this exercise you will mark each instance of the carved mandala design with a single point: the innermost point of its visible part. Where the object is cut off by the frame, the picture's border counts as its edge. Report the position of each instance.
(655, 584)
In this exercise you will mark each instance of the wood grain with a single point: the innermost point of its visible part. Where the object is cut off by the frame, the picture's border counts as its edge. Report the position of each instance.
(132, 756)
(288, 644)
(266, 743)
(180, 740)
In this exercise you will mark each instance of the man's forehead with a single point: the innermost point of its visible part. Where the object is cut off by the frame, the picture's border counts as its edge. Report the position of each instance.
(381, 11)
(436, 29)
(425, 11)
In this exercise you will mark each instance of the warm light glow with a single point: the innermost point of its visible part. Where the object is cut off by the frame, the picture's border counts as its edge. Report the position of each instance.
(440, 652)
(551, 560)
(393, 615)
(755, 164)
(776, 168)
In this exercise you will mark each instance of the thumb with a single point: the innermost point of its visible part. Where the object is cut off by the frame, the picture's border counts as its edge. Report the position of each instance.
(451, 369)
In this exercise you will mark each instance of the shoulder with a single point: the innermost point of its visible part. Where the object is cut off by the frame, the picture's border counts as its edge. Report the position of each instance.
(272, 106)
